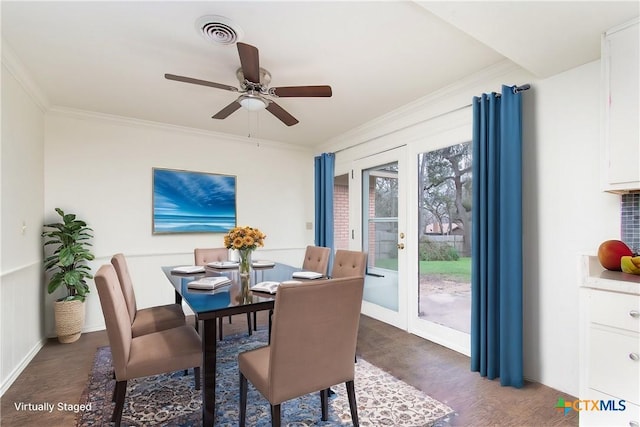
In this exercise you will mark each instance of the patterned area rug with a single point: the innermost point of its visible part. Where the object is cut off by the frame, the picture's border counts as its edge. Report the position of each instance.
(171, 400)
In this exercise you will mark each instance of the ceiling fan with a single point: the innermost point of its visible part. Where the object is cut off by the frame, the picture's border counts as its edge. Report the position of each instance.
(254, 90)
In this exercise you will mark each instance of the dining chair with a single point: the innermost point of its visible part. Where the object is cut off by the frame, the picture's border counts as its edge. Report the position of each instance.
(314, 334)
(349, 263)
(316, 258)
(154, 353)
(203, 256)
(145, 320)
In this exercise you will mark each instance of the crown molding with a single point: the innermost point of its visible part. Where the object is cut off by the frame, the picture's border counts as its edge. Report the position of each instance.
(448, 99)
(15, 67)
(12, 64)
(128, 121)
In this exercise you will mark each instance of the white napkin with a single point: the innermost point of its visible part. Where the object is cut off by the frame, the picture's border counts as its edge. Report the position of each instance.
(189, 269)
(209, 283)
(306, 275)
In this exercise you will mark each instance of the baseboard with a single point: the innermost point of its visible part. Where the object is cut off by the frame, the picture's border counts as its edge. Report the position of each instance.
(21, 366)
(94, 328)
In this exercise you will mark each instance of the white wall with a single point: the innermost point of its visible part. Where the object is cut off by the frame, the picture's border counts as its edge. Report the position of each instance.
(565, 213)
(21, 175)
(101, 169)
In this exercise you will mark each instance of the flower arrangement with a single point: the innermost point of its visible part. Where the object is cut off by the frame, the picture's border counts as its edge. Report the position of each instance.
(244, 238)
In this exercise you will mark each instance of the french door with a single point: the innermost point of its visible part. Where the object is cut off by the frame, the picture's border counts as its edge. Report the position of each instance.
(440, 223)
(379, 210)
(415, 230)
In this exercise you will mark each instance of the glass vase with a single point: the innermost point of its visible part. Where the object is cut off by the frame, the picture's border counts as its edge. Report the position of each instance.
(244, 266)
(245, 295)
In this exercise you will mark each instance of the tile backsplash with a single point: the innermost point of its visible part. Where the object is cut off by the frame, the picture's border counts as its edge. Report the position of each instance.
(630, 221)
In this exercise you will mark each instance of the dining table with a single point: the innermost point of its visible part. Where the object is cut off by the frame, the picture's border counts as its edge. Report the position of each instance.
(210, 305)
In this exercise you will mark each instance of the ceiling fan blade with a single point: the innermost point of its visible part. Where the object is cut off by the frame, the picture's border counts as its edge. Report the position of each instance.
(199, 82)
(301, 91)
(226, 111)
(281, 114)
(249, 61)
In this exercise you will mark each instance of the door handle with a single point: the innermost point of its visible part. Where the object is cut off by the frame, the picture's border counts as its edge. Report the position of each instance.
(400, 245)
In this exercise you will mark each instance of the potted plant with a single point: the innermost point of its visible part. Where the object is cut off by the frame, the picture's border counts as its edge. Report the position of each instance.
(68, 265)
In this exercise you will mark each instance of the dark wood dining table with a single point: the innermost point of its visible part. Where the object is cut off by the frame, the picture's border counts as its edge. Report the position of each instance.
(210, 305)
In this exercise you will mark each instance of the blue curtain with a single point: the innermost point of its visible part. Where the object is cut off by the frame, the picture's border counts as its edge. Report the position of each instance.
(324, 169)
(496, 242)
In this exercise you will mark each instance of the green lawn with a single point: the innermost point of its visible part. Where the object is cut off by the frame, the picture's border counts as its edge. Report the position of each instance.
(459, 270)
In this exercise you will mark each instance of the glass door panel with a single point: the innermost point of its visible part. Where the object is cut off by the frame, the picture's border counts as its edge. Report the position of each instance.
(443, 306)
(382, 217)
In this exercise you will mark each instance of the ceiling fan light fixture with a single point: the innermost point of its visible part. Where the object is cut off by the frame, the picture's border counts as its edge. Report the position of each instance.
(254, 93)
(252, 102)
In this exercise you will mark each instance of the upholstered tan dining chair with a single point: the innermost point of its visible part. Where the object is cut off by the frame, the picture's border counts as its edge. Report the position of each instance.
(316, 258)
(315, 329)
(145, 320)
(349, 263)
(203, 256)
(154, 353)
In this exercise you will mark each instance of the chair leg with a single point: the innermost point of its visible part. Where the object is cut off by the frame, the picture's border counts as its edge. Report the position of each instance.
(275, 416)
(120, 391)
(249, 322)
(243, 400)
(113, 395)
(324, 403)
(353, 407)
(196, 374)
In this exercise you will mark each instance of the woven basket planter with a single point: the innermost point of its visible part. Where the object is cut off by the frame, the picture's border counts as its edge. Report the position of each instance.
(69, 316)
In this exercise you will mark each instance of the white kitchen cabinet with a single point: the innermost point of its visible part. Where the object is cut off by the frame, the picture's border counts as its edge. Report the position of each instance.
(621, 111)
(609, 347)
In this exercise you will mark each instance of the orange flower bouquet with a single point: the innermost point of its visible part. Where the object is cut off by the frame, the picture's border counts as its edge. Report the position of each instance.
(245, 240)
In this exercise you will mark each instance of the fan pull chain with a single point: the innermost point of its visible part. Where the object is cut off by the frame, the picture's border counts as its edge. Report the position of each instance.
(257, 125)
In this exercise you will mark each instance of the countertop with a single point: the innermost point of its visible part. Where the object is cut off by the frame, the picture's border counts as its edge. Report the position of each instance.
(594, 276)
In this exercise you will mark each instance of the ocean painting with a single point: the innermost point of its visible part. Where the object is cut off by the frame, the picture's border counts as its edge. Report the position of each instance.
(193, 202)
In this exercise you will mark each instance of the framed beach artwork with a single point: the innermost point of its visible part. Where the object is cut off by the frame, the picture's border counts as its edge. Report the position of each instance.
(193, 202)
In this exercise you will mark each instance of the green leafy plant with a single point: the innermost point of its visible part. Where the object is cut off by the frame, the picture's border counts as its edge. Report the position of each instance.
(436, 251)
(70, 255)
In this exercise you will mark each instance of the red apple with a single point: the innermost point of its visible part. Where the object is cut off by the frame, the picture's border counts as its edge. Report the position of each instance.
(610, 252)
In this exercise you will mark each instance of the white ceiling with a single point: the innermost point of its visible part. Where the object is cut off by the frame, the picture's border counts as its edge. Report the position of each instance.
(110, 57)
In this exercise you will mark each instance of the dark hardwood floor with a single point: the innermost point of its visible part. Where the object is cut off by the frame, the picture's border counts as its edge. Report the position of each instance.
(59, 373)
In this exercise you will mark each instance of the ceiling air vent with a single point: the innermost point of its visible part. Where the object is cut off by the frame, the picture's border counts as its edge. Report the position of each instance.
(219, 29)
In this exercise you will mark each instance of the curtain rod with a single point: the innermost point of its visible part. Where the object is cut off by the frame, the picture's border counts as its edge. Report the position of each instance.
(405, 127)
(515, 89)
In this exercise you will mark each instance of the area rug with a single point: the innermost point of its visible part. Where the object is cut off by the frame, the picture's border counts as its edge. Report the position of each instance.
(171, 400)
